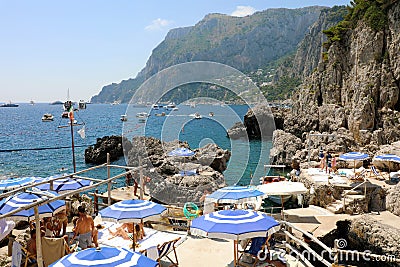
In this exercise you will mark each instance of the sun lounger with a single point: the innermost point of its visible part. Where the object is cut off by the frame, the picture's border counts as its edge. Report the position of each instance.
(376, 173)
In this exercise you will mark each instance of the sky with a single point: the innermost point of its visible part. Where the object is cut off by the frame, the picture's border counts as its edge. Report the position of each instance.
(48, 47)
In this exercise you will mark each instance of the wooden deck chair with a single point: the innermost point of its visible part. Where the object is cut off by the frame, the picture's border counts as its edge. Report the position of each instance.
(376, 173)
(19, 253)
(165, 248)
(254, 247)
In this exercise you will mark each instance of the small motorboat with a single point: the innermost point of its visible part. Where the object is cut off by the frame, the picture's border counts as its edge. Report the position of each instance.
(171, 106)
(65, 115)
(47, 117)
(162, 114)
(142, 115)
(197, 116)
(211, 114)
(155, 107)
(124, 117)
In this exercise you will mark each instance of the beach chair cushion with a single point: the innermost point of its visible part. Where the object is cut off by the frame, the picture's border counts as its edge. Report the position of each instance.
(53, 249)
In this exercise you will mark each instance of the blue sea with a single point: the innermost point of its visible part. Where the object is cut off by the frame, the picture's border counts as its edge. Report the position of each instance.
(30, 147)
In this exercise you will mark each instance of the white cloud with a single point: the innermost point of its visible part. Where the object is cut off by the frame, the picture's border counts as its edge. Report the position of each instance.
(158, 24)
(242, 11)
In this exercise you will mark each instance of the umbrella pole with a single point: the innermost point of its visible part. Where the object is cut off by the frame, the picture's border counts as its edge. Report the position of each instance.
(134, 237)
(39, 256)
(282, 214)
(235, 251)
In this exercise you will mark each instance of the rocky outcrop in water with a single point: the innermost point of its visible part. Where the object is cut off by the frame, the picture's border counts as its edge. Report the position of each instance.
(177, 179)
(97, 154)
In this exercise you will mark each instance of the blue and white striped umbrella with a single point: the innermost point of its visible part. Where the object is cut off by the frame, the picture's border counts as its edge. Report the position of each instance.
(234, 194)
(134, 210)
(25, 198)
(353, 156)
(181, 152)
(65, 184)
(104, 257)
(388, 157)
(12, 183)
(234, 224)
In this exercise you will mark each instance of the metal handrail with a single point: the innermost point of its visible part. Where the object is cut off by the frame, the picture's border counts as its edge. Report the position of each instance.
(357, 186)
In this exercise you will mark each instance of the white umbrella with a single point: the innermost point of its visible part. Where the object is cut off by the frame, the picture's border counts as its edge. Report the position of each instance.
(282, 189)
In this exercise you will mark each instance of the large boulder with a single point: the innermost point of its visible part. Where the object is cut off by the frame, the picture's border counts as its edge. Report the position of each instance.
(285, 147)
(259, 122)
(393, 200)
(369, 234)
(237, 131)
(213, 156)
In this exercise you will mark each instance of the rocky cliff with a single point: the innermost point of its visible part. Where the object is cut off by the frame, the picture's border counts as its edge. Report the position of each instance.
(245, 43)
(353, 94)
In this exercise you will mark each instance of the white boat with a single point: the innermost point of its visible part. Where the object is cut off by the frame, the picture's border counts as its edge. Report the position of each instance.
(171, 105)
(155, 106)
(115, 103)
(175, 109)
(211, 114)
(124, 118)
(142, 115)
(47, 117)
(197, 116)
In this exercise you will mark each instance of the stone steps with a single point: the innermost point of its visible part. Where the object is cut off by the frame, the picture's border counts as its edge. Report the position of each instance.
(337, 206)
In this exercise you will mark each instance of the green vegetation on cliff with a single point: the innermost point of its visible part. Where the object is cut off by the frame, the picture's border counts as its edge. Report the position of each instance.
(373, 12)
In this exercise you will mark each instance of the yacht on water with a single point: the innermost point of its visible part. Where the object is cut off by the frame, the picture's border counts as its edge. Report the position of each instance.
(47, 117)
(9, 105)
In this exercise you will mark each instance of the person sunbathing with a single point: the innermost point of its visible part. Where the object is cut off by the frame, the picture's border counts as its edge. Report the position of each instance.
(126, 231)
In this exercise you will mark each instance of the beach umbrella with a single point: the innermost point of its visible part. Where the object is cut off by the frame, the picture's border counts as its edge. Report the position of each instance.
(134, 211)
(181, 152)
(284, 188)
(353, 156)
(22, 199)
(234, 225)
(387, 157)
(25, 198)
(104, 257)
(234, 194)
(64, 184)
(5, 228)
(12, 183)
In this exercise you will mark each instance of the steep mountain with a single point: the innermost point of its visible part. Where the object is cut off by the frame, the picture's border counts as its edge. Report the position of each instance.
(246, 43)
